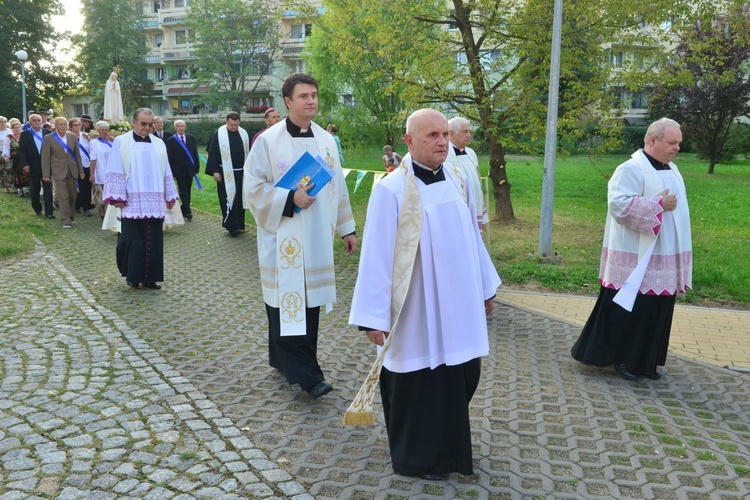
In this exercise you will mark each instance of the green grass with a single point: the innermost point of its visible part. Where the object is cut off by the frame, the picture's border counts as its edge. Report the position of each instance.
(718, 207)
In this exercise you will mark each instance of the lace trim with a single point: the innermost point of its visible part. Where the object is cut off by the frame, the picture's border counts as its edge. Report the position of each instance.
(666, 274)
(642, 215)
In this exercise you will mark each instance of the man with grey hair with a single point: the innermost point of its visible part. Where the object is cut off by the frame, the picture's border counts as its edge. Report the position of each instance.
(61, 162)
(139, 182)
(420, 218)
(646, 260)
(159, 129)
(182, 151)
(465, 160)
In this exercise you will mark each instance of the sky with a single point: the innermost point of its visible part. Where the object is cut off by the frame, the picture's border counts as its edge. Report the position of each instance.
(71, 21)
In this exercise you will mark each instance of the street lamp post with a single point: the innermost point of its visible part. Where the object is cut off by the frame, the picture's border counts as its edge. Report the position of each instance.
(23, 56)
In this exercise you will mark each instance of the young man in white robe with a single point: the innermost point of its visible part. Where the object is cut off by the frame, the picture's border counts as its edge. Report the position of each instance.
(295, 249)
(647, 243)
(227, 151)
(424, 212)
(139, 182)
(465, 159)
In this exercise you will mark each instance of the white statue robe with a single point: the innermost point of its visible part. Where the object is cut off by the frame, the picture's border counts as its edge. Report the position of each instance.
(468, 164)
(307, 237)
(443, 319)
(113, 111)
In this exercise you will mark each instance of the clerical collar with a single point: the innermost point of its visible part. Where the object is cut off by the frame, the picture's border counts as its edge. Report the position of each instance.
(138, 138)
(459, 152)
(656, 163)
(296, 131)
(427, 175)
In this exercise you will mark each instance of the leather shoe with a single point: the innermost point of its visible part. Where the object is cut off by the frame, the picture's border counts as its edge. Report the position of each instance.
(51, 217)
(189, 216)
(625, 372)
(235, 232)
(132, 285)
(319, 389)
(152, 286)
(431, 477)
(653, 376)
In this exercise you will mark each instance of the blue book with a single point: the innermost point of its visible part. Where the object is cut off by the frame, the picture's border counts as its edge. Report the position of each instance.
(308, 169)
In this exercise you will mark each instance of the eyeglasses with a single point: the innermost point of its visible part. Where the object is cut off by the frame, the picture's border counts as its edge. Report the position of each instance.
(146, 124)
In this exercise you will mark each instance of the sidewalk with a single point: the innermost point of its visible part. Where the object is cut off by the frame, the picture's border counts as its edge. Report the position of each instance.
(717, 336)
(110, 392)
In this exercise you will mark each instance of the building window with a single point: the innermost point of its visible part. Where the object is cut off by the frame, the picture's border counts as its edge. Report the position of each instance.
(452, 26)
(157, 6)
(80, 109)
(300, 31)
(181, 3)
(461, 58)
(296, 66)
(183, 72)
(616, 58)
(181, 37)
(159, 74)
(349, 100)
(158, 40)
(639, 101)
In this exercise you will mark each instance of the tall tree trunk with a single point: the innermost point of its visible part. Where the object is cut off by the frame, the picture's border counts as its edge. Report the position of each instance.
(499, 178)
(711, 164)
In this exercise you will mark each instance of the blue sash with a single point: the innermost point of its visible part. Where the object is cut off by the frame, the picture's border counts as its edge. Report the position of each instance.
(105, 141)
(184, 146)
(41, 139)
(63, 144)
(84, 150)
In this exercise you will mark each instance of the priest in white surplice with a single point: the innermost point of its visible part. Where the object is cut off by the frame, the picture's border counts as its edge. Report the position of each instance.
(139, 182)
(647, 243)
(424, 213)
(295, 250)
(465, 159)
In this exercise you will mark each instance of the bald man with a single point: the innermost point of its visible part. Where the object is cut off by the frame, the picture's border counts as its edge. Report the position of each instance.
(182, 152)
(433, 362)
(61, 163)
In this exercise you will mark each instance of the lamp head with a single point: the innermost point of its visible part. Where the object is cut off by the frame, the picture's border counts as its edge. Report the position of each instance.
(22, 55)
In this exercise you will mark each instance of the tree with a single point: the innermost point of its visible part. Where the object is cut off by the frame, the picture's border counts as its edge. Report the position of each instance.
(25, 24)
(235, 46)
(351, 51)
(488, 60)
(112, 38)
(706, 86)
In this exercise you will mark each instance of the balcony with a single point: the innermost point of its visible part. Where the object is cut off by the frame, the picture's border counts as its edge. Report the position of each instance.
(151, 24)
(172, 17)
(292, 49)
(172, 54)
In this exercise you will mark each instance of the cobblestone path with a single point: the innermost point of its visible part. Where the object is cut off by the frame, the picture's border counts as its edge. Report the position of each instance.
(544, 426)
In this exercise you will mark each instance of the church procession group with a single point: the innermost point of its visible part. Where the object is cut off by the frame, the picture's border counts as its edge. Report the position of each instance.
(426, 282)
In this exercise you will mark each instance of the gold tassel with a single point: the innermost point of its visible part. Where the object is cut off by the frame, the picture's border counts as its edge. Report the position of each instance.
(359, 418)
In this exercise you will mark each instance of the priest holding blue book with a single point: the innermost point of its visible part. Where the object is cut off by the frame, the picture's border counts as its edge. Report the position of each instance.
(296, 230)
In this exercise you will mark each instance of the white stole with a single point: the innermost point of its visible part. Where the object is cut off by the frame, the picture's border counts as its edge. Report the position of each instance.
(226, 162)
(652, 186)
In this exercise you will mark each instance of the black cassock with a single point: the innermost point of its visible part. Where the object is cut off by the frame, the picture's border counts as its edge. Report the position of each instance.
(140, 250)
(639, 339)
(236, 218)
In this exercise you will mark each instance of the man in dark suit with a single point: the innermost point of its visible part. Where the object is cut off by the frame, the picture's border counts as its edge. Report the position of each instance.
(159, 129)
(61, 161)
(30, 149)
(182, 153)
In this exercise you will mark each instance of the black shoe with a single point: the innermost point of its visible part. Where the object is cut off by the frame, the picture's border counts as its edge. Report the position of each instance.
(152, 286)
(319, 389)
(51, 217)
(38, 213)
(235, 232)
(189, 216)
(653, 376)
(625, 372)
(87, 213)
(132, 285)
(432, 477)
